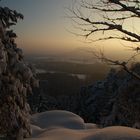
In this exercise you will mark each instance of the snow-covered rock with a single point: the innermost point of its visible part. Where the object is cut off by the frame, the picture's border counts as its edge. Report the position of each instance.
(54, 125)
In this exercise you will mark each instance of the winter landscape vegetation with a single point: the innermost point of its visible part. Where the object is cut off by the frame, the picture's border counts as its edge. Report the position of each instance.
(81, 93)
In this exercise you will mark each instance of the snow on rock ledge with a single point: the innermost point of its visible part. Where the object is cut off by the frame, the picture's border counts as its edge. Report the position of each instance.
(64, 125)
(63, 119)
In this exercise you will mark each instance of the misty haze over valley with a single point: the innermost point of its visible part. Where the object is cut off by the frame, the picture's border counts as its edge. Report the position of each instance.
(69, 70)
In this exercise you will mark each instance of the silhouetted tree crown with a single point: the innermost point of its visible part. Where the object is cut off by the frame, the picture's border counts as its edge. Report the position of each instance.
(91, 17)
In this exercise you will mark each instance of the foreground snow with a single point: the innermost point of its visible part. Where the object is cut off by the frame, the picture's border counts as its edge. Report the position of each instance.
(63, 125)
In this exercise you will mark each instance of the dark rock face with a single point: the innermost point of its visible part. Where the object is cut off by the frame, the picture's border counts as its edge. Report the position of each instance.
(16, 82)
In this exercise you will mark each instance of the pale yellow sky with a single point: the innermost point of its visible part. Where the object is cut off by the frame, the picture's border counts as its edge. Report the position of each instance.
(43, 29)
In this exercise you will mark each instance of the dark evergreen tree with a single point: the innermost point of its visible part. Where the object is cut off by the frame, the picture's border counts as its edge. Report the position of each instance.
(16, 81)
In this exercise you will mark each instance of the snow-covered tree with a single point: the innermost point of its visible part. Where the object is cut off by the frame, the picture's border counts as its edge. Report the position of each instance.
(16, 81)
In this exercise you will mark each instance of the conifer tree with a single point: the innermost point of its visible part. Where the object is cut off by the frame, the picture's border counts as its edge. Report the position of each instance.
(16, 81)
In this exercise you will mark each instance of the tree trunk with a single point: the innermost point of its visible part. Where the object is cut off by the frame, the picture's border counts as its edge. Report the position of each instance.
(19, 135)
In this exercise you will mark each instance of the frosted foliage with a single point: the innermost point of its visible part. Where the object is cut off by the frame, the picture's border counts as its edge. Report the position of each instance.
(112, 101)
(16, 81)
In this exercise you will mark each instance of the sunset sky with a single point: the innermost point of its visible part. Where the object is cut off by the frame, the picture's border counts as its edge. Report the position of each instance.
(43, 29)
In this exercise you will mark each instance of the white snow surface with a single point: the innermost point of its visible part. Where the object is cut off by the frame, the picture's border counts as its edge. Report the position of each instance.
(64, 125)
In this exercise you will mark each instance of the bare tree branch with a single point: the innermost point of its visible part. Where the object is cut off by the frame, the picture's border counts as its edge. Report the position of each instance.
(109, 23)
(132, 9)
(123, 64)
(120, 38)
(113, 14)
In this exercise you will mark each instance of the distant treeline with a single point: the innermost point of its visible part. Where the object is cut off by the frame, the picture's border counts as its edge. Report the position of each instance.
(70, 67)
(62, 82)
